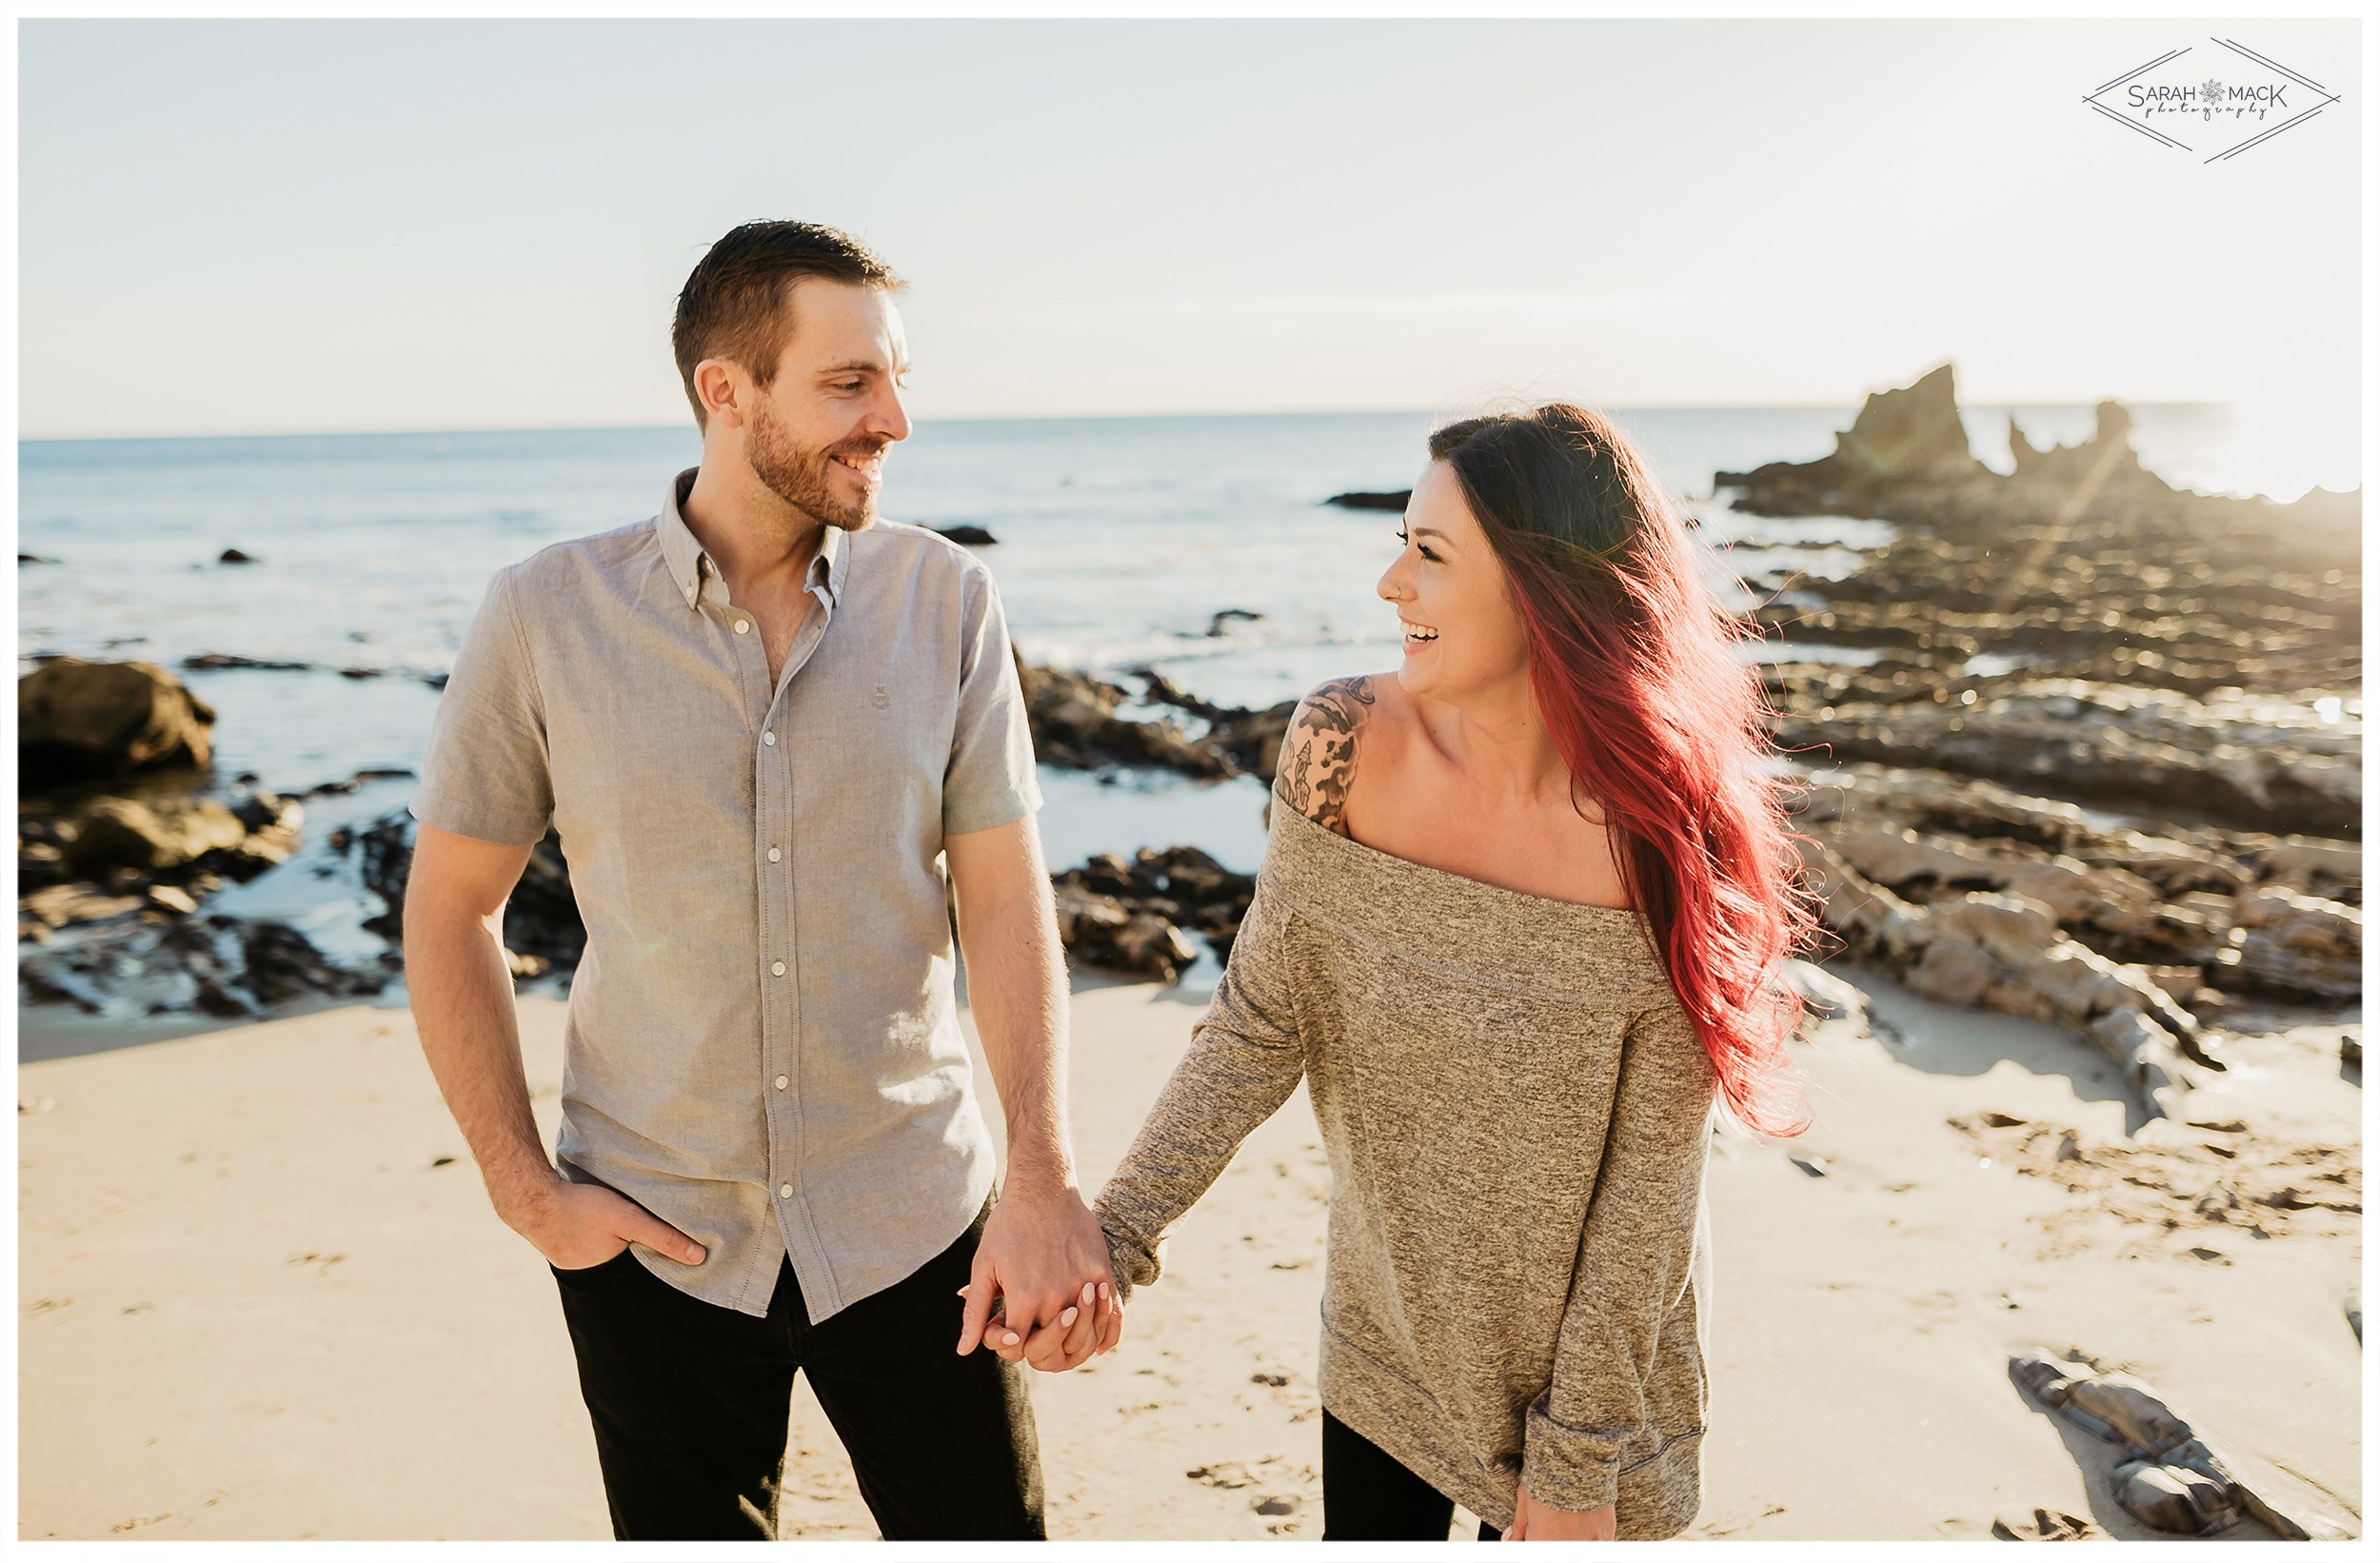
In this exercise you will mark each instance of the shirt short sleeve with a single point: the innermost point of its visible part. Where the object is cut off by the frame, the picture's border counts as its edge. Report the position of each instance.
(487, 775)
(990, 780)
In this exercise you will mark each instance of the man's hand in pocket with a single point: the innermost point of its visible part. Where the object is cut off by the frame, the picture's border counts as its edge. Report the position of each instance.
(578, 1226)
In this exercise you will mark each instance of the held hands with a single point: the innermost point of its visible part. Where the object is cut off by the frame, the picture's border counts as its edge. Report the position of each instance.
(1043, 1265)
(578, 1226)
(1534, 1521)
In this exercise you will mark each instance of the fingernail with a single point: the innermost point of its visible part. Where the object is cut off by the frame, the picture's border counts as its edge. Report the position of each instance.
(693, 1254)
(1066, 1317)
(1009, 1339)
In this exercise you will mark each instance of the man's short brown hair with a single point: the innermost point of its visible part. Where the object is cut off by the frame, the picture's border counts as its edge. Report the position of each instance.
(734, 304)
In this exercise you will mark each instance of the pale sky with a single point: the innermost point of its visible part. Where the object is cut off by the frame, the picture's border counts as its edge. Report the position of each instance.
(292, 226)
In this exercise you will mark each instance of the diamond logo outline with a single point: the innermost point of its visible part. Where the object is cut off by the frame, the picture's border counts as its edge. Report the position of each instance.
(2159, 98)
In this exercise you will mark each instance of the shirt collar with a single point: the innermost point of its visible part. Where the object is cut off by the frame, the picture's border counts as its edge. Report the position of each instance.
(688, 561)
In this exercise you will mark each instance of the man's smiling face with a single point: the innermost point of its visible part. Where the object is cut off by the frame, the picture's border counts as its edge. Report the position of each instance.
(818, 434)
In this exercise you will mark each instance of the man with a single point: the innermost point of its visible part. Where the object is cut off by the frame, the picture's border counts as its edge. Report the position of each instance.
(757, 722)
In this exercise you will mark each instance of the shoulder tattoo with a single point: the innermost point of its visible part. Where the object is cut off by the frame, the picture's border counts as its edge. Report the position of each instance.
(1318, 757)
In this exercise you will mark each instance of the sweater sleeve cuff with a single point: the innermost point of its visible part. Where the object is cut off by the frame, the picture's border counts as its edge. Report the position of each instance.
(1569, 1468)
(1135, 1263)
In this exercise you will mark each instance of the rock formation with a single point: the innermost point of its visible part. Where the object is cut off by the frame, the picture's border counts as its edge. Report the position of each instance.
(79, 720)
(1901, 438)
(2167, 1477)
(1075, 725)
(1981, 896)
(1132, 916)
(2237, 763)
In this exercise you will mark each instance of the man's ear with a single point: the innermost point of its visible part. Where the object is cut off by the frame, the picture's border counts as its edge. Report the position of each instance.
(723, 389)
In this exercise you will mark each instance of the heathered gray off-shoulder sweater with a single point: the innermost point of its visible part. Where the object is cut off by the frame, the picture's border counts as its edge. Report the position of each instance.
(1516, 1112)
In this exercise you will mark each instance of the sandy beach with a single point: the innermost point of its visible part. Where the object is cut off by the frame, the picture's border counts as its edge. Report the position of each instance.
(261, 1295)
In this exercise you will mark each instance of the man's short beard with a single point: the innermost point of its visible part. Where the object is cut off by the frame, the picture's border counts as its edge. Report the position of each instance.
(801, 477)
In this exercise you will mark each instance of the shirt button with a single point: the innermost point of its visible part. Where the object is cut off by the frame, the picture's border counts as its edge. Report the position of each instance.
(783, 1082)
(785, 1190)
(777, 968)
(774, 854)
(744, 627)
(769, 738)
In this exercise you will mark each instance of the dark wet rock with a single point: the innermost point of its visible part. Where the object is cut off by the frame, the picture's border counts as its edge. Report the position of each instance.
(213, 998)
(1074, 723)
(179, 838)
(80, 721)
(120, 833)
(1101, 931)
(967, 535)
(362, 672)
(356, 782)
(233, 556)
(436, 680)
(2168, 1478)
(37, 986)
(388, 863)
(1135, 916)
(216, 965)
(1250, 739)
(217, 662)
(110, 858)
(1245, 616)
(1372, 500)
(44, 911)
(541, 918)
(33, 558)
(282, 964)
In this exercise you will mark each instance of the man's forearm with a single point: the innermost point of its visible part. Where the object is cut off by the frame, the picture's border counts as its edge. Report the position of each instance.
(1017, 987)
(463, 1007)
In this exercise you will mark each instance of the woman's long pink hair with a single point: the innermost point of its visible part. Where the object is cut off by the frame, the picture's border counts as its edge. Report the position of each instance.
(1633, 664)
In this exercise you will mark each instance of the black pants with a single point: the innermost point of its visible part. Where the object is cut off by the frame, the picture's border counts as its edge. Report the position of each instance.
(691, 1403)
(1368, 1496)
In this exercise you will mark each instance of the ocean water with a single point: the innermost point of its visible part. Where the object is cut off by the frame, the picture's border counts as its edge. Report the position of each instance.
(1121, 539)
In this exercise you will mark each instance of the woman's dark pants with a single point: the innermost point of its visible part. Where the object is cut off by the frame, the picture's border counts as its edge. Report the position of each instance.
(1368, 1496)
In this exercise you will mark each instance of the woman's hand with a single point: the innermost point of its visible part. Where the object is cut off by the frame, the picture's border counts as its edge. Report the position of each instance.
(1534, 1521)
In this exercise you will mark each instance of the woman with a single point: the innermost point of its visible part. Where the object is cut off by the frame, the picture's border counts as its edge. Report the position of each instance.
(1518, 927)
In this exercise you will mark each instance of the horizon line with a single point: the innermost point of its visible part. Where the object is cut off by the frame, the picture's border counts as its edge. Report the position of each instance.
(1965, 403)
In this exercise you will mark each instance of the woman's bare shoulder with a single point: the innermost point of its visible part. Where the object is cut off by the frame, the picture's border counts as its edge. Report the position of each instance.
(1318, 755)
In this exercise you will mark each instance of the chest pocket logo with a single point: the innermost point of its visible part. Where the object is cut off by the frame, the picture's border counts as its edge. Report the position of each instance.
(880, 699)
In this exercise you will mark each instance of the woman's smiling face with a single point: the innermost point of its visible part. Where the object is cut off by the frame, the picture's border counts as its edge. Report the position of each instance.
(1463, 631)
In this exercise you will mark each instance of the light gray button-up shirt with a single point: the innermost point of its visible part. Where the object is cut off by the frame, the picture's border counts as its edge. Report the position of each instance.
(763, 1047)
